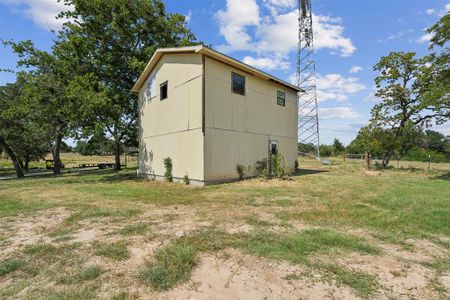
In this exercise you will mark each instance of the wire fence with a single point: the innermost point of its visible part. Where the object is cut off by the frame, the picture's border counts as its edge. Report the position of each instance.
(396, 162)
(374, 162)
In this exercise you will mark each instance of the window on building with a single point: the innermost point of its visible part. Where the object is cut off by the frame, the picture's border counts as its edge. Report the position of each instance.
(238, 84)
(151, 88)
(163, 91)
(281, 98)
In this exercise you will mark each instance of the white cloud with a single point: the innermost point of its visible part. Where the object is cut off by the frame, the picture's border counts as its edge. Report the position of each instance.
(355, 69)
(233, 22)
(339, 112)
(392, 37)
(371, 96)
(430, 11)
(41, 12)
(280, 36)
(335, 87)
(328, 34)
(424, 38)
(277, 6)
(275, 35)
(439, 13)
(188, 16)
(266, 63)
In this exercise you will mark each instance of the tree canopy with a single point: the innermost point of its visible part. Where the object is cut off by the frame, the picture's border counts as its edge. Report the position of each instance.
(118, 37)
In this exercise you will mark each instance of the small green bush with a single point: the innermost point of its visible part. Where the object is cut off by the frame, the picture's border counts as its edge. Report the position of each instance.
(240, 169)
(168, 166)
(279, 166)
(417, 154)
(261, 167)
(186, 179)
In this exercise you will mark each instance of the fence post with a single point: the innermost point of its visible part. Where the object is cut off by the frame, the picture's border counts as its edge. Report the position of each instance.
(367, 160)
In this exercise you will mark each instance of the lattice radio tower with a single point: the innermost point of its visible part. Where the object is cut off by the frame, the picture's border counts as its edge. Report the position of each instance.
(308, 119)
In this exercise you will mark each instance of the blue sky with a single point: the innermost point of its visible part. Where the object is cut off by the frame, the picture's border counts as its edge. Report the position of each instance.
(350, 37)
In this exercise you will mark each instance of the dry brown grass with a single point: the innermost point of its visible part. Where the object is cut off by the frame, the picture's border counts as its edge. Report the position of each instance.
(95, 235)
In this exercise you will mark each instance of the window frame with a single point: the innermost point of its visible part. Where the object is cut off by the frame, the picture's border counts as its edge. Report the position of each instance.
(150, 86)
(165, 85)
(279, 98)
(232, 84)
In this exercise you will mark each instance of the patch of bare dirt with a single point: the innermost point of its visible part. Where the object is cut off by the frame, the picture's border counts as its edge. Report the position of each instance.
(421, 251)
(238, 228)
(371, 173)
(30, 228)
(240, 276)
(261, 182)
(87, 235)
(399, 277)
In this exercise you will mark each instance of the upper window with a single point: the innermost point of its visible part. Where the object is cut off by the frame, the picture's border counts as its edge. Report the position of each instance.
(281, 98)
(163, 90)
(151, 88)
(238, 84)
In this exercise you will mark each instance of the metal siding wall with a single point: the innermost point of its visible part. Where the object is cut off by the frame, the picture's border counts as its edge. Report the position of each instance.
(238, 128)
(173, 127)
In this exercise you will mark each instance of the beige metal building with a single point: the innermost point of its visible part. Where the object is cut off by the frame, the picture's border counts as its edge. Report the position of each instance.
(209, 112)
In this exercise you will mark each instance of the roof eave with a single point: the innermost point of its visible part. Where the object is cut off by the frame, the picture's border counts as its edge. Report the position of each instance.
(212, 53)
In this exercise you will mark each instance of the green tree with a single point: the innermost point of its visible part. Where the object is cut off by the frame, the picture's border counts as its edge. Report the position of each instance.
(326, 150)
(440, 32)
(409, 97)
(120, 36)
(307, 148)
(413, 91)
(53, 85)
(97, 145)
(338, 147)
(371, 139)
(22, 137)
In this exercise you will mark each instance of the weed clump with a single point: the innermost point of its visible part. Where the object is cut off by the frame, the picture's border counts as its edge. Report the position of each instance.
(9, 266)
(240, 169)
(168, 167)
(116, 251)
(173, 265)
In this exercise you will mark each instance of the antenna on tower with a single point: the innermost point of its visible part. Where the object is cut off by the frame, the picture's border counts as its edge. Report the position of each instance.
(308, 119)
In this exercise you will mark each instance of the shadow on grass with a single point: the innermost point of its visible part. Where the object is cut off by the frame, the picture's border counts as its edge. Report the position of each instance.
(444, 176)
(301, 172)
(107, 175)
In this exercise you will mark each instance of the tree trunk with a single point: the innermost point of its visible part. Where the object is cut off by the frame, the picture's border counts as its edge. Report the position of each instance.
(117, 153)
(13, 157)
(57, 150)
(20, 160)
(387, 158)
(26, 165)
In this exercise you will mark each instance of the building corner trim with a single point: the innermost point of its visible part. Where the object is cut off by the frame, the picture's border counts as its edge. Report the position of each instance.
(203, 94)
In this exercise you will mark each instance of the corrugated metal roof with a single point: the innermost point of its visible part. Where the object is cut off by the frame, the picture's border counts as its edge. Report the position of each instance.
(213, 54)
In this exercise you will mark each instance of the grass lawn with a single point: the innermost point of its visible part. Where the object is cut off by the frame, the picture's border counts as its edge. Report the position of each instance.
(333, 231)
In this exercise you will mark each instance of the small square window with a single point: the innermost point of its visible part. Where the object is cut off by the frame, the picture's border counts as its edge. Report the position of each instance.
(163, 90)
(281, 98)
(237, 84)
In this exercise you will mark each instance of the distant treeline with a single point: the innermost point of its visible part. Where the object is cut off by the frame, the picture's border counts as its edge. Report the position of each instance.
(416, 144)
